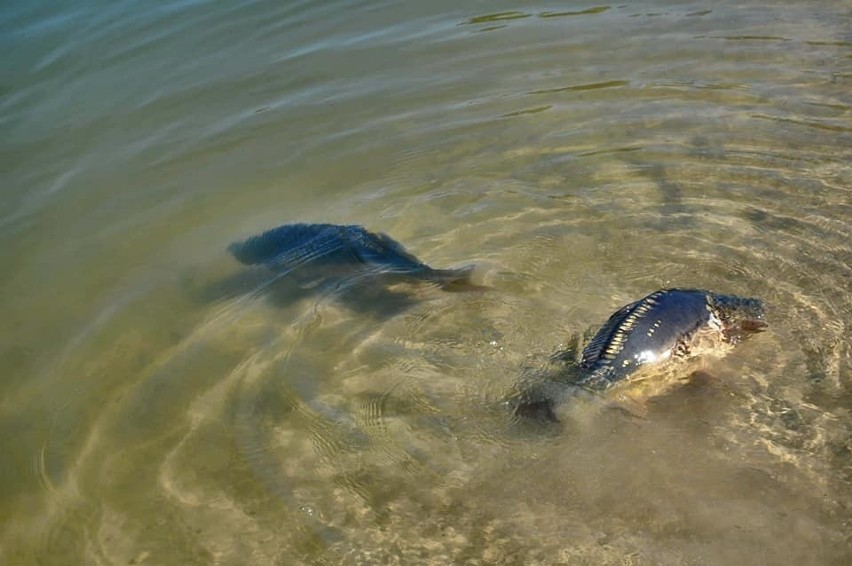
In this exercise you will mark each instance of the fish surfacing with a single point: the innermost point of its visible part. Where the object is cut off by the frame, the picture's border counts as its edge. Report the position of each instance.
(669, 324)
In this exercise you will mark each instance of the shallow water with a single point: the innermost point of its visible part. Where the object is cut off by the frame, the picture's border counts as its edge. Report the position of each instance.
(156, 409)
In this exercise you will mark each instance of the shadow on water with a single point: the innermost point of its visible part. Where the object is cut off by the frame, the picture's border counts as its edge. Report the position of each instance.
(325, 400)
(369, 273)
(378, 296)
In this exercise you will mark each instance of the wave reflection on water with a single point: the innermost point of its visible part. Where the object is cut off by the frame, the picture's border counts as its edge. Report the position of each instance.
(164, 405)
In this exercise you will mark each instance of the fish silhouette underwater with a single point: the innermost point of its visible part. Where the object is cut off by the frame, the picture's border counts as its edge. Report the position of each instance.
(666, 326)
(638, 340)
(353, 262)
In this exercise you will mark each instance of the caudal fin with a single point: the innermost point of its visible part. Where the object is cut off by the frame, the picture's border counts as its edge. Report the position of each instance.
(456, 280)
(540, 399)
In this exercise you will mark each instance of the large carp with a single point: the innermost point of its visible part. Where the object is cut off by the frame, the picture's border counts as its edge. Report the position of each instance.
(314, 252)
(667, 325)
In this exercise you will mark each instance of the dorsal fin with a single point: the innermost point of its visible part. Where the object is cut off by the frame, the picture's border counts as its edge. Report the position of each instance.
(609, 340)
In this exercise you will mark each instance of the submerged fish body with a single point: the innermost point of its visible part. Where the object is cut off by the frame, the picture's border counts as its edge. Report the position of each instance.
(316, 251)
(668, 324)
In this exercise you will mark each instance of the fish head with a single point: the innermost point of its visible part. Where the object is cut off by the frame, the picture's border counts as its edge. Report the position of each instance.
(739, 317)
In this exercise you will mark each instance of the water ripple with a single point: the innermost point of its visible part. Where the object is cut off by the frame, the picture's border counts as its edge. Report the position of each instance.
(166, 406)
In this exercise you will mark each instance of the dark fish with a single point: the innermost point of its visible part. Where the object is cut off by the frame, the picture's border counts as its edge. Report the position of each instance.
(669, 324)
(321, 251)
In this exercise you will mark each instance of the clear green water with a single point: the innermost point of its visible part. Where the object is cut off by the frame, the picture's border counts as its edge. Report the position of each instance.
(582, 155)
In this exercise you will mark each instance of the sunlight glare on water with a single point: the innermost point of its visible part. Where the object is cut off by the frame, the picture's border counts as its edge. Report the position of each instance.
(162, 404)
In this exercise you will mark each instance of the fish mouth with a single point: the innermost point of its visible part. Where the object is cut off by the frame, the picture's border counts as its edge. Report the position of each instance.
(743, 329)
(753, 325)
(743, 316)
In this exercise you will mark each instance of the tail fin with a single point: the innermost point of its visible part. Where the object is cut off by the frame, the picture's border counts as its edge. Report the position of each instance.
(456, 280)
(538, 410)
(539, 401)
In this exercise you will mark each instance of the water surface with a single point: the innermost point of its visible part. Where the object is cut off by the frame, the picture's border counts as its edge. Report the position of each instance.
(156, 409)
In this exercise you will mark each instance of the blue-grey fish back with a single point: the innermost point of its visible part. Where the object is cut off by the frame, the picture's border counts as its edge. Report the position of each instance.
(665, 324)
(291, 246)
(641, 332)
